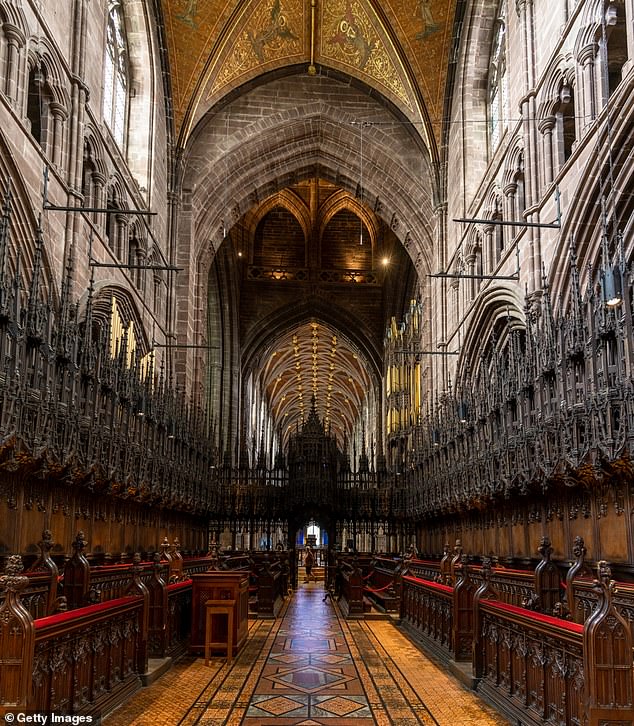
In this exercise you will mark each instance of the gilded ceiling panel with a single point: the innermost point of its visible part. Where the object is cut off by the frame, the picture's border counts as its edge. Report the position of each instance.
(272, 35)
(401, 47)
(351, 38)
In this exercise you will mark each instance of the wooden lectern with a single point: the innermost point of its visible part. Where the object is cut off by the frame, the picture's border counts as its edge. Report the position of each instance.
(219, 586)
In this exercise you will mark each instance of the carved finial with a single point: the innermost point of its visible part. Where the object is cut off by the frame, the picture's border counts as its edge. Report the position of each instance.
(14, 566)
(13, 580)
(79, 543)
(578, 548)
(46, 544)
(486, 568)
(545, 549)
(604, 581)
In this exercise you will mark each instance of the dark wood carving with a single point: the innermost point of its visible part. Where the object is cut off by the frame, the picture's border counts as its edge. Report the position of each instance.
(531, 665)
(485, 591)
(17, 637)
(445, 565)
(427, 612)
(77, 575)
(463, 593)
(138, 588)
(176, 564)
(158, 613)
(45, 565)
(608, 664)
(455, 560)
(86, 660)
(577, 569)
(547, 580)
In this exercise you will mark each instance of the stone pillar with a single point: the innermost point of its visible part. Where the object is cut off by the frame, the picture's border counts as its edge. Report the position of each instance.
(471, 270)
(15, 42)
(59, 115)
(489, 246)
(97, 196)
(586, 60)
(511, 211)
(121, 226)
(546, 128)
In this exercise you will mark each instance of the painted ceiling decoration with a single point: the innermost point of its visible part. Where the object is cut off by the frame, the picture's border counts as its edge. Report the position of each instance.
(400, 47)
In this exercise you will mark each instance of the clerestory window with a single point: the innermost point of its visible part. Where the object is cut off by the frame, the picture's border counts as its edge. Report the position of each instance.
(116, 73)
(498, 82)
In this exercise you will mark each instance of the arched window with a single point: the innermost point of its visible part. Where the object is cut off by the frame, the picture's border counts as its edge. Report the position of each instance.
(116, 73)
(616, 36)
(498, 82)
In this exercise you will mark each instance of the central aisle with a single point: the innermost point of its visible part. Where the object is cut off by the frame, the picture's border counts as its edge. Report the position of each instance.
(310, 666)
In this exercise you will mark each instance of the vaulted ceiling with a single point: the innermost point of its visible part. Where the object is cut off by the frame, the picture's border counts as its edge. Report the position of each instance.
(402, 48)
(396, 56)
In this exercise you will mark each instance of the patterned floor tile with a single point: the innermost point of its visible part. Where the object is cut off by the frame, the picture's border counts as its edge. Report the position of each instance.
(310, 667)
(355, 706)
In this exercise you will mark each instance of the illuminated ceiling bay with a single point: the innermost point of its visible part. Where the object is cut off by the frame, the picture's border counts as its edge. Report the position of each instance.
(399, 47)
(309, 360)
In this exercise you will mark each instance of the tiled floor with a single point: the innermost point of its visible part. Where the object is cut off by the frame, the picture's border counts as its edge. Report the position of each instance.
(310, 667)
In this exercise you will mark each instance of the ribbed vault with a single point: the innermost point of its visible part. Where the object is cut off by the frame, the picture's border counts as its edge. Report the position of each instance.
(314, 359)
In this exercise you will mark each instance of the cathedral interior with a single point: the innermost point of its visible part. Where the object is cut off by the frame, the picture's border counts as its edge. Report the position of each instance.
(340, 282)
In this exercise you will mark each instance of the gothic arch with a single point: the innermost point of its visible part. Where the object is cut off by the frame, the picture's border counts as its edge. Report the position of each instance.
(471, 90)
(343, 200)
(42, 54)
(142, 92)
(312, 137)
(286, 199)
(23, 227)
(104, 293)
(499, 303)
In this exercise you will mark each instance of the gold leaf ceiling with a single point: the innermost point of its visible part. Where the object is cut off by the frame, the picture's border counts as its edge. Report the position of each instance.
(400, 47)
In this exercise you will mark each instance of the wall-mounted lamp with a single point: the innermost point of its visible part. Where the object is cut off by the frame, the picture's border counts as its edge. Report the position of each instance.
(612, 286)
(463, 412)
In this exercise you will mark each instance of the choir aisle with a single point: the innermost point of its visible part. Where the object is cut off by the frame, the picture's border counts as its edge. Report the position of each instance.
(309, 666)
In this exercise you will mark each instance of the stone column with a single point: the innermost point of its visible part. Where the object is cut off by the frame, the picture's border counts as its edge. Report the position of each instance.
(97, 196)
(59, 115)
(121, 226)
(489, 246)
(546, 128)
(15, 42)
(586, 60)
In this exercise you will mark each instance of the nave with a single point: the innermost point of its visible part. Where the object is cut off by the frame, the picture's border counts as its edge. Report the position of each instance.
(309, 666)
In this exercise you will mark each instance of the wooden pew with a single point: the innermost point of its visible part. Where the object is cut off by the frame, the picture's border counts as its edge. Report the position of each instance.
(270, 586)
(383, 584)
(350, 581)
